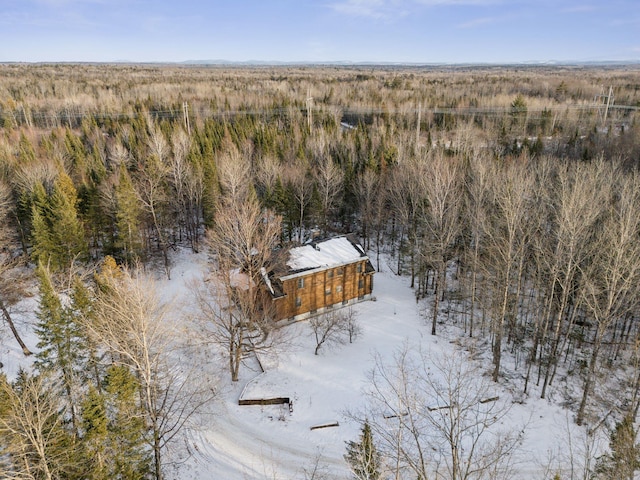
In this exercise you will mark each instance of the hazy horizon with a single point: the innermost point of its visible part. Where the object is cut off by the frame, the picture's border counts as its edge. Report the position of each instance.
(331, 31)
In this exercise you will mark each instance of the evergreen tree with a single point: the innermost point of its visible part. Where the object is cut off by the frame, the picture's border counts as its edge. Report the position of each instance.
(89, 194)
(81, 312)
(77, 156)
(624, 458)
(62, 344)
(114, 430)
(95, 439)
(67, 230)
(205, 156)
(519, 112)
(26, 152)
(363, 457)
(57, 233)
(127, 428)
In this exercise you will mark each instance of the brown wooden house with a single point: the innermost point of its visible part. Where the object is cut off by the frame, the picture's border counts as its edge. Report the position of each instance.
(320, 275)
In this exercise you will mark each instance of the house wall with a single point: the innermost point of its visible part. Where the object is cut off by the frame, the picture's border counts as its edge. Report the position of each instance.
(322, 289)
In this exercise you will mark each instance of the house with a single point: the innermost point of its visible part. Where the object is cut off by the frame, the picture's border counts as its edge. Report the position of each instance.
(320, 275)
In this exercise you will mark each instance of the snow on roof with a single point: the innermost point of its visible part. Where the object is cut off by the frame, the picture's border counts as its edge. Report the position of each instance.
(335, 251)
(265, 277)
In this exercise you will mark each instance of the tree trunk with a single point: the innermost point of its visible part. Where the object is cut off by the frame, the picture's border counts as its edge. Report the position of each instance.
(157, 458)
(232, 356)
(7, 317)
(497, 342)
(163, 244)
(553, 361)
(474, 274)
(588, 383)
(439, 288)
(497, 351)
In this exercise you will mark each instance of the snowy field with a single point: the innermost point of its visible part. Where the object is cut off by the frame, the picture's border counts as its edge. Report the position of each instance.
(270, 442)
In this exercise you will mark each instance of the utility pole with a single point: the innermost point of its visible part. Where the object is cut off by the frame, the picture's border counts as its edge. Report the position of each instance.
(418, 125)
(309, 105)
(609, 102)
(185, 114)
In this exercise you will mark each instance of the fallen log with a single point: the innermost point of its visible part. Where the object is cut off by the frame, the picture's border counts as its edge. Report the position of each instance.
(324, 425)
(264, 401)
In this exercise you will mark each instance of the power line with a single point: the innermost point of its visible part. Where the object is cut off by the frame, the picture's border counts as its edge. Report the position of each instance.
(463, 111)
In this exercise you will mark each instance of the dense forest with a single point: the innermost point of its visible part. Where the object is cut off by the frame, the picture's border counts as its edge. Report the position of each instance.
(510, 196)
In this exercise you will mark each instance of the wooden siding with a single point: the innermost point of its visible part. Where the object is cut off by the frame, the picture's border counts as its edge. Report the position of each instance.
(323, 288)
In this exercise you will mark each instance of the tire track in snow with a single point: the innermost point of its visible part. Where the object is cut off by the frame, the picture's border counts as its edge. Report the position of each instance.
(236, 447)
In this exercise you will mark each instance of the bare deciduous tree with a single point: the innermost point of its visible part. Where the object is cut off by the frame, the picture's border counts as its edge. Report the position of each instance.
(152, 191)
(441, 218)
(328, 179)
(580, 198)
(134, 327)
(301, 186)
(268, 172)
(234, 171)
(611, 278)
(438, 415)
(366, 189)
(333, 327)
(407, 195)
(507, 236)
(31, 431)
(234, 302)
(352, 324)
(476, 198)
(187, 180)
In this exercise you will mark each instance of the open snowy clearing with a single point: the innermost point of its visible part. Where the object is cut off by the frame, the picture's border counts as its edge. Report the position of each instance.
(256, 442)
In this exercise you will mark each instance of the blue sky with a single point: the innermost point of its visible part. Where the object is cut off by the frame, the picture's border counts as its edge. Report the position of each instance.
(422, 31)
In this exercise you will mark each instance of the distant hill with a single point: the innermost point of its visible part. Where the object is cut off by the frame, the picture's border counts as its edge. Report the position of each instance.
(409, 64)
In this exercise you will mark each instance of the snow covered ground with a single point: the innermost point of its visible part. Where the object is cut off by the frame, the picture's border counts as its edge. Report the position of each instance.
(270, 442)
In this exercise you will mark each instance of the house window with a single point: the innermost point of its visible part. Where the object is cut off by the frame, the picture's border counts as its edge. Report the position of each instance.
(338, 288)
(330, 274)
(359, 268)
(340, 271)
(298, 302)
(360, 284)
(327, 291)
(301, 283)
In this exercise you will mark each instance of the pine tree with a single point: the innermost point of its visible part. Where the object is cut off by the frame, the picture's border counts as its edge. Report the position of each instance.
(66, 228)
(95, 440)
(62, 343)
(26, 152)
(77, 155)
(127, 428)
(89, 208)
(57, 234)
(81, 312)
(363, 457)
(114, 430)
(624, 459)
(211, 180)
